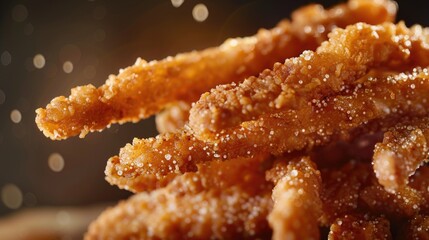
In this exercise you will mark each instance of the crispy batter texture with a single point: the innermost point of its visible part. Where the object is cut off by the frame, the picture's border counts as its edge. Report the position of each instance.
(360, 227)
(379, 96)
(354, 189)
(348, 55)
(405, 202)
(416, 228)
(146, 88)
(420, 182)
(340, 191)
(173, 118)
(403, 150)
(222, 200)
(297, 205)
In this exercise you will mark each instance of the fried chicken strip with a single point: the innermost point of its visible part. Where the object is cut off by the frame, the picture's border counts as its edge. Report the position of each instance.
(222, 200)
(146, 88)
(360, 227)
(379, 96)
(342, 60)
(297, 205)
(403, 150)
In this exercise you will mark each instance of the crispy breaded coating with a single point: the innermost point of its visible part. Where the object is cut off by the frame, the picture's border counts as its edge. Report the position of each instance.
(297, 205)
(420, 182)
(222, 200)
(348, 55)
(359, 227)
(417, 228)
(340, 191)
(405, 202)
(145, 88)
(403, 150)
(380, 95)
(173, 118)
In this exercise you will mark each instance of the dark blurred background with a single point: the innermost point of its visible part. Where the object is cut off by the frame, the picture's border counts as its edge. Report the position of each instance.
(48, 47)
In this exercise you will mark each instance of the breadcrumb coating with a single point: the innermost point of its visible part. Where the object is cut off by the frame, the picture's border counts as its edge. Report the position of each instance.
(145, 88)
(297, 204)
(348, 55)
(403, 150)
(379, 96)
(360, 227)
(222, 200)
(173, 118)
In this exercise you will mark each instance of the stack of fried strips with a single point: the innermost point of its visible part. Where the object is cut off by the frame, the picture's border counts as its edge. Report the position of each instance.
(329, 141)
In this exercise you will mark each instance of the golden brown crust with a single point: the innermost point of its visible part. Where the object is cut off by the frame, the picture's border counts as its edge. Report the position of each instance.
(146, 88)
(381, 95)
(417, 228)
(348, 55)
(173, 118)
(222, 200)
(359, 227)
(297, 205)
(341, 188)
(403, 150)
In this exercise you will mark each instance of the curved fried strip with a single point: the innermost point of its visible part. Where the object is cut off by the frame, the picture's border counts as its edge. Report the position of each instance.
(146, 88)
(405, 202)
(403, 150)
(297, 205)
(360, 227)
(173, 118)
(380, 96)
(416, 228)
(348, 55)
(222, 200)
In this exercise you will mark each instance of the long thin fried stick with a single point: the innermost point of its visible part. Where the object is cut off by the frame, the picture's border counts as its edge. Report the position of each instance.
(404, 148)
(348, 55)
(296, 196)
(381, 95)
(144, 89)
(222, 200)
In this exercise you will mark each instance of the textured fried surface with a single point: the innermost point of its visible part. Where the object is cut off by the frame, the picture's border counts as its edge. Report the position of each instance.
(405, 202)
(380, 95)
(360, 227)
(222, 200)
(348, 55)
(297, 205)
(403, 150)
(416, 228)
(340, 191)
(354, 189)
(173, 118)
(146, 88)
(420, 182)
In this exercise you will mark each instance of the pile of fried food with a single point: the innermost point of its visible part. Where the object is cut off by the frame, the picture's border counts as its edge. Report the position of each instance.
(331, 142)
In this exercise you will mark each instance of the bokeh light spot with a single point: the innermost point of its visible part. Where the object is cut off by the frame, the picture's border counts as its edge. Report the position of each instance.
(19, 13)
(177, 3)
(15, 116)
(56, 162)
(6, 58)
(68, 67)
(39, 61)
(200, 12)
(11, 196)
